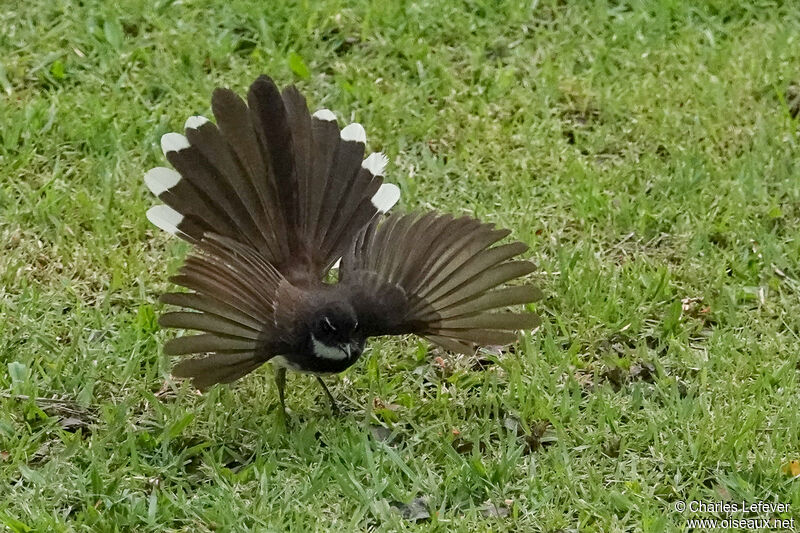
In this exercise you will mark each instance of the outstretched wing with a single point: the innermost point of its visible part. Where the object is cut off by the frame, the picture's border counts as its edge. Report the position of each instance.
(243, 306)
(437, 276)
(271, 176)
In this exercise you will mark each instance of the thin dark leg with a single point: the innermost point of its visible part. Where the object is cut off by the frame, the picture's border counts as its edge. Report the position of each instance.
(280, 381)
(330, 396)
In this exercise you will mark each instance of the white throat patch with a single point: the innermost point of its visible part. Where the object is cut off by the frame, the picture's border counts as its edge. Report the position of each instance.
(324, 351)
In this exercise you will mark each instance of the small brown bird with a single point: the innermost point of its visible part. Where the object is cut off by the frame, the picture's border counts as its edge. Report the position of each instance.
(271, 197)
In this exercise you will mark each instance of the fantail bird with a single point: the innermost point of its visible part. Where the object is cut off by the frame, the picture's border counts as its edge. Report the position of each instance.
(271, 196)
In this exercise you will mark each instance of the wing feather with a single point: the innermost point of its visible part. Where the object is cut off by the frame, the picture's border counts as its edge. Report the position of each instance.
(438, 277)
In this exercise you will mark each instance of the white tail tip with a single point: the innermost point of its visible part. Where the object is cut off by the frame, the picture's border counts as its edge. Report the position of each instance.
(173, 142)
(386, 197)
(354, 132)
(164, 218)
(194, 122)
(375, 163)
(161, 179)
(325, 114)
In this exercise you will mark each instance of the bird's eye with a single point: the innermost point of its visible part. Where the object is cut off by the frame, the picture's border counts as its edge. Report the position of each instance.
(327, 326)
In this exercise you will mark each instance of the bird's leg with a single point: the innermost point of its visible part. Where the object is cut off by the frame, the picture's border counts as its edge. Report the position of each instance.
(280, 381)
(330, 396)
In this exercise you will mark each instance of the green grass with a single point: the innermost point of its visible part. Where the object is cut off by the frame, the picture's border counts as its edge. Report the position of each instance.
(646, 151)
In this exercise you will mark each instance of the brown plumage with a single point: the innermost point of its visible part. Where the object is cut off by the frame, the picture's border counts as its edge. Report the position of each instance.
(271, 196)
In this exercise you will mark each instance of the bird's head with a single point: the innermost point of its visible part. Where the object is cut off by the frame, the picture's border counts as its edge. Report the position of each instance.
(334, 333)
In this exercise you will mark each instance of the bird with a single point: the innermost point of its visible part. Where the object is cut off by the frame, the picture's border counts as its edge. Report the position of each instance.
(272, 197)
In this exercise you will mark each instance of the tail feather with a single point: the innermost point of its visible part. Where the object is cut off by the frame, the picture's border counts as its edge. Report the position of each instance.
(192, 214)
(344, 168)
(243, 198)
(271, 124)
(239, 127)
(235, 124)
(273, 177)
(355, 209)
(299, 122)
(325, 145)
(357, 219)
(202, 193)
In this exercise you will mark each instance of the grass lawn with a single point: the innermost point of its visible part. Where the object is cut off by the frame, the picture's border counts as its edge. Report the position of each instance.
(646, 151)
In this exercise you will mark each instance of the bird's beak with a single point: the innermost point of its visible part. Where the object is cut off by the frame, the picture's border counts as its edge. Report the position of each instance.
(345, 348)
